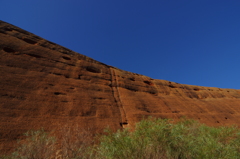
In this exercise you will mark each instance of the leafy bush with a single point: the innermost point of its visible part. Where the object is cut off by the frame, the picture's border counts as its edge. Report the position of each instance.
(152, 139)
(160, 138)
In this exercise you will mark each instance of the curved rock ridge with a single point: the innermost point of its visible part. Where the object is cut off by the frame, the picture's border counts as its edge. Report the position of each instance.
(44, 85)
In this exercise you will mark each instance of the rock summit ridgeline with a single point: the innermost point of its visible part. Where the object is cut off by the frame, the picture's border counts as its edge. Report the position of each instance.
(44, 85)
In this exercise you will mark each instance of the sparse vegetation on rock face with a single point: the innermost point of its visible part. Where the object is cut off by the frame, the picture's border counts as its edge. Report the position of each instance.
(152, 138)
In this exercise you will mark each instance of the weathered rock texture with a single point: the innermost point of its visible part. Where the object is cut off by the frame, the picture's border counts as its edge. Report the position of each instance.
(45, 85)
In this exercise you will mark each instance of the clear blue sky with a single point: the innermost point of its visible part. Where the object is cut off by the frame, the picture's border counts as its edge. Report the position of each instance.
(193, 42)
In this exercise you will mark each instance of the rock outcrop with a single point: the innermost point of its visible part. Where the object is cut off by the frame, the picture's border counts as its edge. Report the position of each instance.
(44, 85)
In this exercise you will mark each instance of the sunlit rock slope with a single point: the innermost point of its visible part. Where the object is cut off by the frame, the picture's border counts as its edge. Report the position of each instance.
(44, 85)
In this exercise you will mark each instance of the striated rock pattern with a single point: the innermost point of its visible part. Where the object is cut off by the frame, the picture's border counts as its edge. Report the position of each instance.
(45, 85)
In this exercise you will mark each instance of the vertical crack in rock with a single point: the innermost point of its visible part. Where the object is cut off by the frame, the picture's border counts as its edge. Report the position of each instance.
(117, 97)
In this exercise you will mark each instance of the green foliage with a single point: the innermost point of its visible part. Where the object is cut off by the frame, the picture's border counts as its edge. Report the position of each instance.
(158, 138)
(152, 138)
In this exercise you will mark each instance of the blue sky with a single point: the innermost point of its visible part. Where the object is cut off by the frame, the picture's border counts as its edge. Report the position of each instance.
(193, 42)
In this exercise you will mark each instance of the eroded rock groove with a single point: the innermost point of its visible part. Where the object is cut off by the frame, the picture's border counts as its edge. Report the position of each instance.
(117, 96)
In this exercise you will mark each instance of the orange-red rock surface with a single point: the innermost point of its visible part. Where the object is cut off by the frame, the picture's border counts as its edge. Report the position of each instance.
(46, 85)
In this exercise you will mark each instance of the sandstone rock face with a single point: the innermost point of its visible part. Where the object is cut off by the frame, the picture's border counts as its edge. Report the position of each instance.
(44, 85)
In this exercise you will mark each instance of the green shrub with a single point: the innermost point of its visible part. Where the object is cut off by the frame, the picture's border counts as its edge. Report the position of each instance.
(160, 138)
(152, 139)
